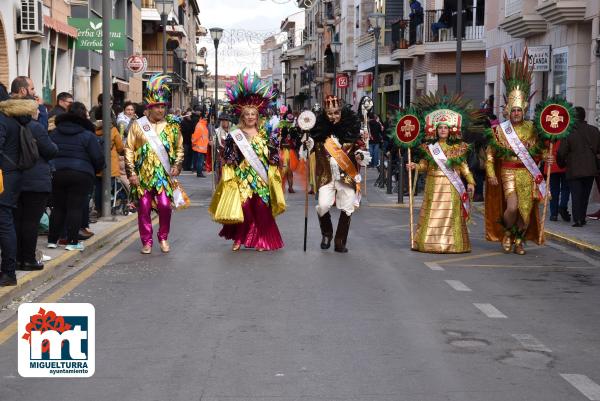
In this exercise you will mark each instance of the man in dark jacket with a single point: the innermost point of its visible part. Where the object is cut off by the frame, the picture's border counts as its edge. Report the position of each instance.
(12, 113)
(36, 186)
(22, 88)
(188, 124)
(579, 153)
(64, 100)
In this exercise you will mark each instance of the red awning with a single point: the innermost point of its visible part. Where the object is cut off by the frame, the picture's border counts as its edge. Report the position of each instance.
(60, 27)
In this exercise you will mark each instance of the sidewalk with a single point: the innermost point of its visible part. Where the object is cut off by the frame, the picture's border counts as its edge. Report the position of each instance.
(586, 238)
(104, 232)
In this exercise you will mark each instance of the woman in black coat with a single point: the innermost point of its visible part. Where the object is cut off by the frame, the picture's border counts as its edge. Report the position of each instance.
(78, 160)
(36, 185)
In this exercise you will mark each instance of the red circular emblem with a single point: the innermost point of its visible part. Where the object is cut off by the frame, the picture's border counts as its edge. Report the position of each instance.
(407, 129)
(539, 179)
(554, 119)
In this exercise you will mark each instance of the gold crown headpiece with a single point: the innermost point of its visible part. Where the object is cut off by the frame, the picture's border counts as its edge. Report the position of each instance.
(517, 80)
(332, 102)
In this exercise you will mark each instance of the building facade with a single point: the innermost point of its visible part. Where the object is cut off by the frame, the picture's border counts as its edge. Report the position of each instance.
(564, 41)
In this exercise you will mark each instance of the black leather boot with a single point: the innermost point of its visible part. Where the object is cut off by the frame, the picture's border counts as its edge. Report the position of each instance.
(326, 230)
(341, 234)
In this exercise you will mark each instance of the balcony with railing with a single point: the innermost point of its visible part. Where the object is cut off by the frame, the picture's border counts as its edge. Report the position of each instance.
(440, 30)
(521, 19)
(175, 66)
(562, 12)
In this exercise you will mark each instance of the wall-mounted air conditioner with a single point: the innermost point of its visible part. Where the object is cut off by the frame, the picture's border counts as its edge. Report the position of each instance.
(31, 17)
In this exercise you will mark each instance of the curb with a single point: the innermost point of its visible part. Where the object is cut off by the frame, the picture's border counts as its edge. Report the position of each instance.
(32, 279)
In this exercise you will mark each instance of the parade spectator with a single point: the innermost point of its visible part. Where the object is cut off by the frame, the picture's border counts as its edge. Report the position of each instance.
(22, 88)
(580, 153)
(200, 145)
(92, 113)
(377, 132)
(416, 19)
(188, 124)
(126, 118)
(79, 159)
(443, 22)
(116, 149)
(36, 186)
(559, 190)
(13, 113)
(64, 100)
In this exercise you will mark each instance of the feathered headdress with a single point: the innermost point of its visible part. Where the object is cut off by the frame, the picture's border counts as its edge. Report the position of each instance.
(453, 111)
(157, 90)
(250, 91)
(517, 81)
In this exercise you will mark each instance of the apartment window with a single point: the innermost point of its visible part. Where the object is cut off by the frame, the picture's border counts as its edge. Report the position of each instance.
(512, 7)
(560, 63)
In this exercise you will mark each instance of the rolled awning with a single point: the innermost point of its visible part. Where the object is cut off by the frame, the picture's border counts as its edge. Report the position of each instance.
(60, 27)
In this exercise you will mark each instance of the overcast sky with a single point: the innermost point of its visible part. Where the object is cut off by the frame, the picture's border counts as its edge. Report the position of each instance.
(246, 23)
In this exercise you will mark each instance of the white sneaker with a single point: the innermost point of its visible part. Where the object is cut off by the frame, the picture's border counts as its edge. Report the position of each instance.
(52, 245)
(46, 258)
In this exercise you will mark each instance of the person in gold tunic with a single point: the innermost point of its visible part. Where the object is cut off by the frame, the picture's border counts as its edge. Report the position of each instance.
(151, 169)
(512, 195)
(442, 226)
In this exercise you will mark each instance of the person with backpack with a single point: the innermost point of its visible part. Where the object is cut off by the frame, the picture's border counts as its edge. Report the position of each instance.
(36, 186)
(14, 114)
(79, 158)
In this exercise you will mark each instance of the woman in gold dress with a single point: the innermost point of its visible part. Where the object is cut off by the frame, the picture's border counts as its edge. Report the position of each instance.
(250, 192)
(442, 226)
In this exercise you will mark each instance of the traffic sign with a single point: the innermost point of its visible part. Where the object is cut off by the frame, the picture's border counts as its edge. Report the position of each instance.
(342, 81)
(137, 64)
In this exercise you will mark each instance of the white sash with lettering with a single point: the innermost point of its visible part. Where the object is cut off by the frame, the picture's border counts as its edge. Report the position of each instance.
(521, 151)
(155, 143)
(440, 158)
(244, 146)
(159, 148)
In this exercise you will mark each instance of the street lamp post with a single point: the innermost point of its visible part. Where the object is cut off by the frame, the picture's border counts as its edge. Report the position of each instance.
(335, 50)
(309, 62)
(294, 91)
(164, 8)
(376, 20)
(216, 34)
(286, 81)
(181, 53)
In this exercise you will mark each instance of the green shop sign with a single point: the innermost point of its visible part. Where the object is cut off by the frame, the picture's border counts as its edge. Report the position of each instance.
(89, 33)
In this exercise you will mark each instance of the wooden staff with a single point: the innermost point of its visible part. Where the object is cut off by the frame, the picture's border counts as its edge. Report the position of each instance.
(541, 236)
(307, 170)
(410, 201)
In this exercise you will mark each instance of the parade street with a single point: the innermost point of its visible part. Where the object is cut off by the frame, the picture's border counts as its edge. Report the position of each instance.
(380, 323)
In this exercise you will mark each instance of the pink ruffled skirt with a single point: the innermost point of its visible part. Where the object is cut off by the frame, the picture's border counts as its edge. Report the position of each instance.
(258, 230)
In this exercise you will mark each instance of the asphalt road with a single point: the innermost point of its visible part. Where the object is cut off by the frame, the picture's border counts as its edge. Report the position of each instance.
(381, 323)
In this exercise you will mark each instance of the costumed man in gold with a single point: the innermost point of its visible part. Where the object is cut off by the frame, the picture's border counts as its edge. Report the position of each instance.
(515, 183)
(153, 156)
(442, 226)
(339, 149)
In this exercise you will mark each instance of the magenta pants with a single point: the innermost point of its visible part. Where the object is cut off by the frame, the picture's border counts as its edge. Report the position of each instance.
(163, 205)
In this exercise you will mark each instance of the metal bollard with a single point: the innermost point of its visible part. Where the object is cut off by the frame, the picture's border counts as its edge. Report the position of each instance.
(389, 175)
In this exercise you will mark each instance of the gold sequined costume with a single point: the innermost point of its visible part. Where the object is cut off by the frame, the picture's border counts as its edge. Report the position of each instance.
(442, 227)
(513, 177)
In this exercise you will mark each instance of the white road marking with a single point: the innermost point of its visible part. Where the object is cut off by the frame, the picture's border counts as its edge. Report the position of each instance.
(531, 343)
(490, 311)
(532, 266)
(584, 384)
(457, 285)
(434, 266)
